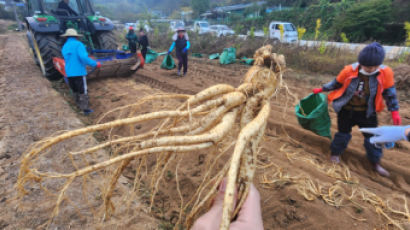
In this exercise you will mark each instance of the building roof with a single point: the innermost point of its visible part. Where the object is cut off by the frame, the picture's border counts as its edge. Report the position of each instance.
(238, 6)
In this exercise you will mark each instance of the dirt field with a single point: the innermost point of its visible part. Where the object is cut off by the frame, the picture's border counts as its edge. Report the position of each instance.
(31, 109)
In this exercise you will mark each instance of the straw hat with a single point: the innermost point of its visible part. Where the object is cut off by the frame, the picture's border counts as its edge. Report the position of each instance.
(181, 29)
(71, 33)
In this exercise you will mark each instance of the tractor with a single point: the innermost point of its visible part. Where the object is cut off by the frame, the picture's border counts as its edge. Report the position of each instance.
(47, 20)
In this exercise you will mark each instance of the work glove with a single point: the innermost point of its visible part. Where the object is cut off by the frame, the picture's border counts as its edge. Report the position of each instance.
(317, 90)
(185, 50)
(98, 64)
(386, 134)
(396, 117)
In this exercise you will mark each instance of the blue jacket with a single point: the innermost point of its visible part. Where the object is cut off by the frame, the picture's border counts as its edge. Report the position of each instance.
(76, 58)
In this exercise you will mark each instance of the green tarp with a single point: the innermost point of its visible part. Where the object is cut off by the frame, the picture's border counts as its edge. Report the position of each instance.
(168, 63)
(228, 56)
(214, 56)
(312, 113)
(247, 61)
(151, 56)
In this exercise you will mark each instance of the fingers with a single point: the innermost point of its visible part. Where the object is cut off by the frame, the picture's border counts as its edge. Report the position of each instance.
(212, 219)
(374, 131)
(377, 140)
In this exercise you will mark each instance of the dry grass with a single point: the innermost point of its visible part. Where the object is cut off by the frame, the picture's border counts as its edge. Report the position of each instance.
(344, 192)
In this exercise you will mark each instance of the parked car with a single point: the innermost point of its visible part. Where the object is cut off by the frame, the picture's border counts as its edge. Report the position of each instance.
(201, 27)
(290, 32)
(174, 25)
(221, 30)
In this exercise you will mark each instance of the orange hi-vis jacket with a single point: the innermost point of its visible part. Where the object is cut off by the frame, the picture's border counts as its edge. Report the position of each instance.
(385, 81)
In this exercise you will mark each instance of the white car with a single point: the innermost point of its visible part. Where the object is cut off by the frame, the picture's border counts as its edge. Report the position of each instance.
(201, 27)
(221, 30)
(174, 25)
(290, 33)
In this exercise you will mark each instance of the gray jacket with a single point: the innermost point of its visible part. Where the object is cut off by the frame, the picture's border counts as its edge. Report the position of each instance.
(389, 95)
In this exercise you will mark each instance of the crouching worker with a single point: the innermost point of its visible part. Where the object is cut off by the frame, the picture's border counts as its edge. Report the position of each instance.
(357, 95)
(76, 59)
(181, 45)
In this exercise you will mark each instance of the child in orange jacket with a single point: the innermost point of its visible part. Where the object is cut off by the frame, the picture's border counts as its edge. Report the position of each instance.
(357, 96)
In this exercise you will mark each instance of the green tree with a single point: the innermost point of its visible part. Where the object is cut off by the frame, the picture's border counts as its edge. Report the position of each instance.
(365, 20)
(200, 6)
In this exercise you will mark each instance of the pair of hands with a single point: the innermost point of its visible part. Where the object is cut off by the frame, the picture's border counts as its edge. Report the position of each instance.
(249, 217)
(394, 114)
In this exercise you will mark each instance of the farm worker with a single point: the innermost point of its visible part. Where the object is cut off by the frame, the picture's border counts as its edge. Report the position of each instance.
(132, 40)
(64, 6)
(76, 59)
(143, 40)
(181, 44)
(388, 134)
(249, 217)
(357, 96)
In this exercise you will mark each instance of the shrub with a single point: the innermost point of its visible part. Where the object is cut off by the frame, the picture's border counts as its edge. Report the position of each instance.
(344, 38)
(301, 32)
(407, 28)
(317, 29)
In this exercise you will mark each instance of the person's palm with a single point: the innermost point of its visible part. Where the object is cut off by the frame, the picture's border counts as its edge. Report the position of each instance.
(249, 217)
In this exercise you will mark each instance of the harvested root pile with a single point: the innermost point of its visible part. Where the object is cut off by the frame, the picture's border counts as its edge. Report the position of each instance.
(210, 122)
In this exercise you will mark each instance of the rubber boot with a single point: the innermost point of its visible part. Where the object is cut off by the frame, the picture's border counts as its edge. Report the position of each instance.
(83, 98)
(380, 170)
(335, 159)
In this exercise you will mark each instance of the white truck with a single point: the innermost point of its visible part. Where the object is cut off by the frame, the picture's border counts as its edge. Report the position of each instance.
(290, 33)
(201, 27)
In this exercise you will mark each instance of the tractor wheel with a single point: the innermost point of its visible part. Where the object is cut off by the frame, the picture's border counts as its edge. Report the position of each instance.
(49, 47)
(107, 41)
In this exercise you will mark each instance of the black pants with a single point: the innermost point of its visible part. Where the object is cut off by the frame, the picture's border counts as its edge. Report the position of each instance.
(183, 61)
(144, 51)
(76, 84)
(346, 119)
(133, 47)
(79, 87)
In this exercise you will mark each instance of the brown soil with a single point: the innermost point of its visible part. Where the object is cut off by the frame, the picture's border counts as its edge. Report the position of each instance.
(32, 108)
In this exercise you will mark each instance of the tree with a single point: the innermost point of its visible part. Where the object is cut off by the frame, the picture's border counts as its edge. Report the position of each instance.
(365, 20)
(200, 6)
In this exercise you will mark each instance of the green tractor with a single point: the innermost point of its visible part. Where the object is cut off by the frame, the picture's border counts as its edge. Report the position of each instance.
(48, 19)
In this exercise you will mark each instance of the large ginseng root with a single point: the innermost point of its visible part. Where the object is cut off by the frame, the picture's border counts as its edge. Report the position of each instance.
(222, 123)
